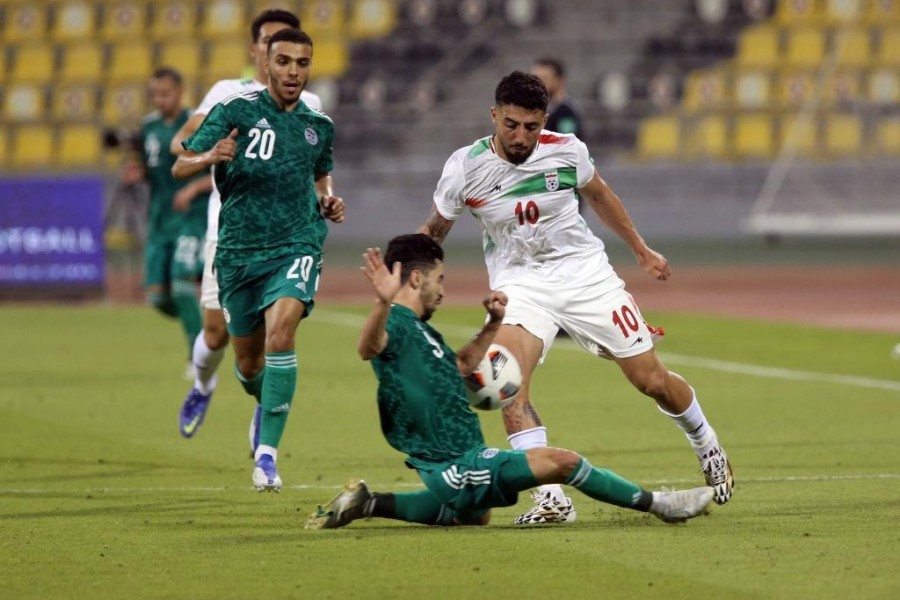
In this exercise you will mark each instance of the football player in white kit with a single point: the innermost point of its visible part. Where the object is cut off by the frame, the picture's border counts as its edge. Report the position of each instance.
(521, 183)
(209, 347)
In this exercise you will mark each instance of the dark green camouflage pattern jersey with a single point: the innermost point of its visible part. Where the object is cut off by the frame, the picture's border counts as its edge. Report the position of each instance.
(164, 224)
(421, 396)
(269, 203)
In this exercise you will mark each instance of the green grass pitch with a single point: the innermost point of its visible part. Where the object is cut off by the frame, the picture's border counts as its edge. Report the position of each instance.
(101, 498)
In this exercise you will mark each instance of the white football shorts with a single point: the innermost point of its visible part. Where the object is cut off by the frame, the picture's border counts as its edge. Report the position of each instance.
(209, 287)
(599, 317)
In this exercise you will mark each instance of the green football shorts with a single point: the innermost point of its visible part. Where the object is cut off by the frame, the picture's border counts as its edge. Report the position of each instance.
(165, 261)
(246, 291)
(480, 479)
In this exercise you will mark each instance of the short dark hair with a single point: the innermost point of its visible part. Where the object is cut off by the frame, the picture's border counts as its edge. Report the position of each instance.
(290, 35)
(272, 15)
(163, 72)
(553, 64)
(522, 89)
(415, 252)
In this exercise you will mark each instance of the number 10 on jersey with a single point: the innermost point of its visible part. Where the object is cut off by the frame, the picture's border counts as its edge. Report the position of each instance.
(529, 213)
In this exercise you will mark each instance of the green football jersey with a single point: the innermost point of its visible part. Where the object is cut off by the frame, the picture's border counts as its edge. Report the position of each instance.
(164, 223)
(269, 203)
(421, 396)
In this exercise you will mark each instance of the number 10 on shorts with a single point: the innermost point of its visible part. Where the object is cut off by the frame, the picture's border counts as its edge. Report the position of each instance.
(625, 320)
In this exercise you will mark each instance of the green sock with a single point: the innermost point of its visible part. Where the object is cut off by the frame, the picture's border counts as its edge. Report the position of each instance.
(277, 394)
(413, 507)
(162, 302)
(184, 297)
(606, 486)
(253, 385)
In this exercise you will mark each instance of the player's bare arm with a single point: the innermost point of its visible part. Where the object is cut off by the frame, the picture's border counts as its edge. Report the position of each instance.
(468, 357)
(604, 201)
(436, 227)
(191, 163)
(374, 338)
(186, 131)
(332, 206)
(183, 197)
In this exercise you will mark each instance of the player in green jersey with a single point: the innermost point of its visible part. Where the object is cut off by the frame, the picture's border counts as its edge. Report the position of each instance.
(425, 414)
(173, 259)
(272, 156)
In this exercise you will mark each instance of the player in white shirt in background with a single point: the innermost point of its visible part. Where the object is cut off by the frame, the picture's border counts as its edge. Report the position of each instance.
(209, 347)
(520, 183)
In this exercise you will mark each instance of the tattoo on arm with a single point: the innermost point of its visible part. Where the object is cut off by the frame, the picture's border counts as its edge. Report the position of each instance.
(437, 227)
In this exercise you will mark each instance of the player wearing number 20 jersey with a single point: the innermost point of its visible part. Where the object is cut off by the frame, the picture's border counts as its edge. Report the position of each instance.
(528, 212)
(269, 204)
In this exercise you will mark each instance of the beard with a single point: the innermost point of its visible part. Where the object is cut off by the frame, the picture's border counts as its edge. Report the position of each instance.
(517, 157)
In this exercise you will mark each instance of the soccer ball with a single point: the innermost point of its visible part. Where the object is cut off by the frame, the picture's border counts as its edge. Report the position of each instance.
(496, 381)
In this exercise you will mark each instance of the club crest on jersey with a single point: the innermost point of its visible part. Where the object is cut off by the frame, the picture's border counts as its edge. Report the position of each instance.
(551, 180)
(311, 136)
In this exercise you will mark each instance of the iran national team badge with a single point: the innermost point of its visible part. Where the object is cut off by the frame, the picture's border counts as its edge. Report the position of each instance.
(551, 180)
(311, 136)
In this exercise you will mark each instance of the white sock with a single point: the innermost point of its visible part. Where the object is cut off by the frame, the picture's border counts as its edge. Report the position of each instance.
(535, 438)
(260, 450)
(693, 423)
(206, 362)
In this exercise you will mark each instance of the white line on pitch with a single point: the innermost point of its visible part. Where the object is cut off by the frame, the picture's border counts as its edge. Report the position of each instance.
(319, 486)
(353, 320)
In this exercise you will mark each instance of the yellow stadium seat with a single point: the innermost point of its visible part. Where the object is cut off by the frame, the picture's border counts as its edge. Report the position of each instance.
(792, 12)
(182, 55)
(795, 88)
(75, 102)
(81, 61)
(226, 60)
(753, 89)
(24, 22)
(842, 87)
(130, 61)
(371, 18)
(805, 47)
(223, 17)
(758, 46)
(889, 46)
(330, 58)
(659, 137)
(74, 20)
(843, 11)
(260, 5)
(4, 153)
(323, 17)
(173, 19)
(24, 102)
(852, 47)
(34, 62)
(709, 137)
(79, 146)
(887, 137)
(124, 104)
(798, 134)
(843, 134)
(884, 87)
(883, 11)
(32, 146)
(705, 89)
(123, 19)
(753, 136)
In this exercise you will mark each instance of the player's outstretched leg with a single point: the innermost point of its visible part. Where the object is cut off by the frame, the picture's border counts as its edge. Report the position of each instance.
(348, 505)
(677, 506)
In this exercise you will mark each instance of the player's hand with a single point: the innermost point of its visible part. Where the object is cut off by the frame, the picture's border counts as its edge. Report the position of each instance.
(385, 283)
(332, 208)
(495, 305)
(182, 199)
(655, 264)
(225, 149)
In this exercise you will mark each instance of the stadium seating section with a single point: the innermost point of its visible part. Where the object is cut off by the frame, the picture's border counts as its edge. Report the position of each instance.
(817, 78)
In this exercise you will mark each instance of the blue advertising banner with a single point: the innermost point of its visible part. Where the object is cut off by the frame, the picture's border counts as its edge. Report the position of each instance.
(51, 233)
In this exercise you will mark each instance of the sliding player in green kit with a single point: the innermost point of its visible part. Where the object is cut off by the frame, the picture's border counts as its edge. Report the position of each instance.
(425, 414)
(272, 157)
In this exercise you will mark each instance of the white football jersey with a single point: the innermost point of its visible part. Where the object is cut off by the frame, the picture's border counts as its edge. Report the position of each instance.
(217, 93)
(532, 231)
